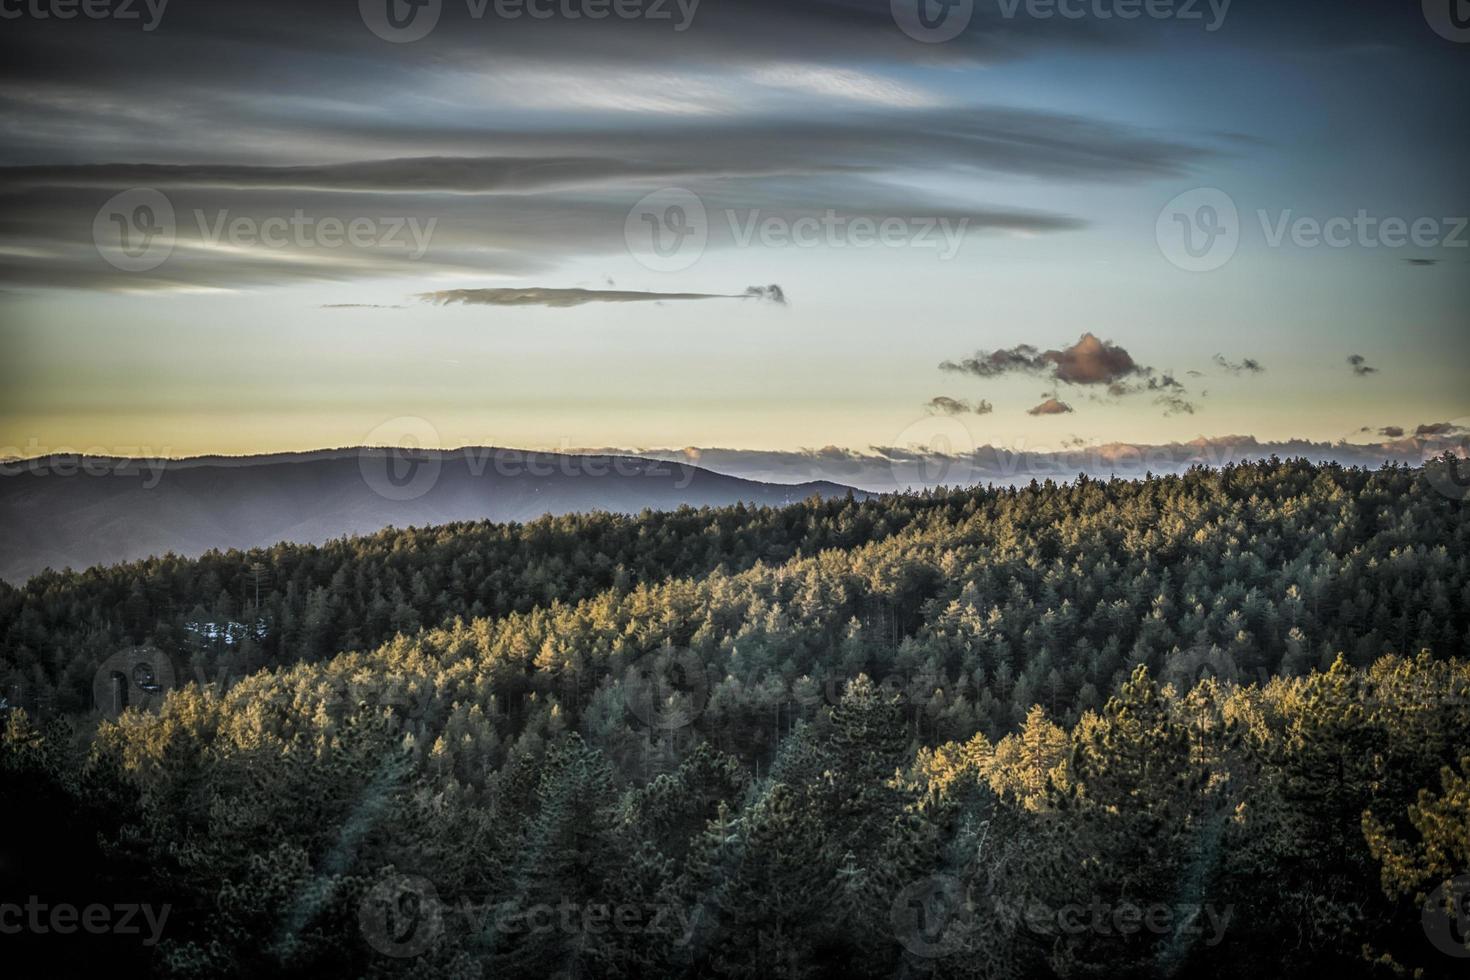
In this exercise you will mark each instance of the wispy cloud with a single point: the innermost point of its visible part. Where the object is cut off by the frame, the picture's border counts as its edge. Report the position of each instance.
(1246, 365)
(845, 84)
(441, 222)
(1175, 404)
(567, 297)
(944, 405)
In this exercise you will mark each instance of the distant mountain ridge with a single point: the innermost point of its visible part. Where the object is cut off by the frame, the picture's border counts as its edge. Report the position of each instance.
(888, 469)
(77, 511)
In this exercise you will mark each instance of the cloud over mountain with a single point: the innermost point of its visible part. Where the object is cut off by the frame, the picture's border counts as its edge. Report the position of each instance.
(944, 462)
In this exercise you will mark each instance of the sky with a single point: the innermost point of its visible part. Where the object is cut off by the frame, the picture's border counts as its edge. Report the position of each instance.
(755, 225)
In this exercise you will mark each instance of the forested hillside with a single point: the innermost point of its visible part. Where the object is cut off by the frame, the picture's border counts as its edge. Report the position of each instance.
(1198, 726)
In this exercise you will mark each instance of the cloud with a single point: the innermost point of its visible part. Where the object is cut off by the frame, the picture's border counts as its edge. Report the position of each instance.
(1092, 361)
(1360, 365)
(1022, 357)
(739, 34)
(845, 84)
(1175, 404)
(1246, 365)
(563, 298)
(338, 124)
(1422, 261)
(1089, 361)
(1168, 392)
(47, 238)
(944, 405)
(400, 153)
(373, 132)
(219, 43)
(1391, 431)
(1050, 407)
(361, 306)
(1163, 382)
(773, 293)
(1437, 429)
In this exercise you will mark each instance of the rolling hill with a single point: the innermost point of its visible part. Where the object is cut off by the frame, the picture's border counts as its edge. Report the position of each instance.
(58, 512)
